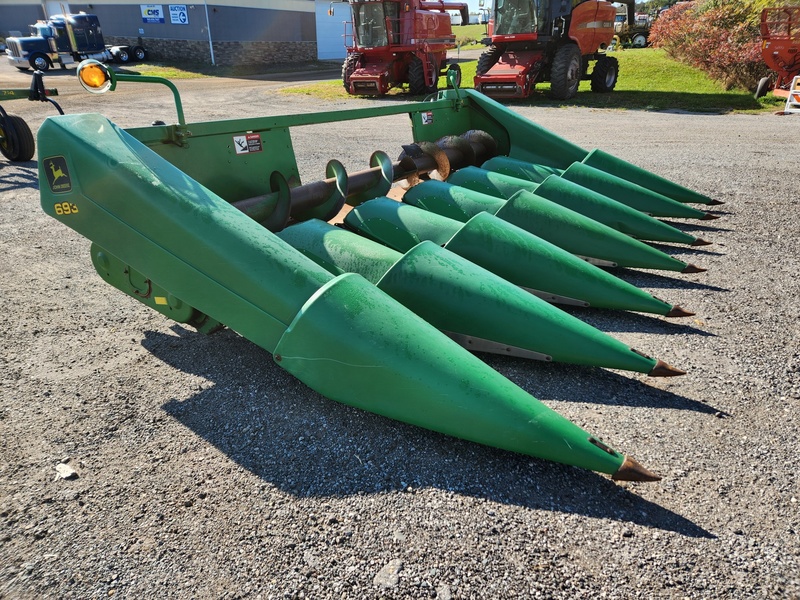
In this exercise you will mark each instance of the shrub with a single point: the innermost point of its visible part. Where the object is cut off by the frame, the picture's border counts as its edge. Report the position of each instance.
(721, 37)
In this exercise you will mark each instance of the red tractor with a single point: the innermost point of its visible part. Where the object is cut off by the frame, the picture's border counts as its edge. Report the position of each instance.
(399, 42)
(549, 40)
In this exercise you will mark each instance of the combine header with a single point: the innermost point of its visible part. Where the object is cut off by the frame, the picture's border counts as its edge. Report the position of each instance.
(211, 236)
(399, 42)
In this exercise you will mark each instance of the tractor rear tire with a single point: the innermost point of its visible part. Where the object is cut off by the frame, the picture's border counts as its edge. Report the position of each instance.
(351, 63)
(417, 85)
(16, 139)
(488, 59)
(123, 56)
(565, 75)
(605, 74)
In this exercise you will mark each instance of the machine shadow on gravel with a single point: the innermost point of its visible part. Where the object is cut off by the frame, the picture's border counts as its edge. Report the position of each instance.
(572, 383)
(644, 279)
(269, 423)
(23, 175)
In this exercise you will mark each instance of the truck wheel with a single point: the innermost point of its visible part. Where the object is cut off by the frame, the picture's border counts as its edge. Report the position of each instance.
(122, 56)
(639, 40)
(351, 63)
(488, 59)
(39, 62)
(605, 74)
(417, 84)
(138, 53)
(565, 75)
(16, 139)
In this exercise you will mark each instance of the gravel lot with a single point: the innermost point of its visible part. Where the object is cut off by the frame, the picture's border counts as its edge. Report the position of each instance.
(206, 471)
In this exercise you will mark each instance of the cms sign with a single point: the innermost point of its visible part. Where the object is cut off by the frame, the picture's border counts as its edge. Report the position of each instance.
(152, 13)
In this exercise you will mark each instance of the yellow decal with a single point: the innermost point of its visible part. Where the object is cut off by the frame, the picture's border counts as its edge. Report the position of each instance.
(65, 208)
(161, 300)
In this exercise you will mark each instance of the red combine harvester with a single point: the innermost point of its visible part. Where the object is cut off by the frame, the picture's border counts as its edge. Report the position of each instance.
(396, 43)
(780, 48)
(534, 41)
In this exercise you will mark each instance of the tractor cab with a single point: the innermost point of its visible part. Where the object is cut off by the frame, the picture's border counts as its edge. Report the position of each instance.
(372, 23)
(519, 19)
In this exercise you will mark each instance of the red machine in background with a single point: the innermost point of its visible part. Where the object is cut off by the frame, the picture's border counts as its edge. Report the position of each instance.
(549, 40)
(780, 48)
(399, 42)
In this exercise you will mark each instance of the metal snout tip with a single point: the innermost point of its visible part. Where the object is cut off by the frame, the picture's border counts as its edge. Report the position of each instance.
(715, 202)
(709, 217)
(677, 311)
(663, 369)
(690, 268)
(701, 242)
(631, 470)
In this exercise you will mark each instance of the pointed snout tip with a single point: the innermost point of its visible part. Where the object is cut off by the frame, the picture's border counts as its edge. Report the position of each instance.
(701, 242)
(690, 268)
(677, 312)
(662, 369)
(631, 470)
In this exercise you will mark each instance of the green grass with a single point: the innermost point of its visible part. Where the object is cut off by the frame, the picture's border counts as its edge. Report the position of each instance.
(469, 36)
(648, 80)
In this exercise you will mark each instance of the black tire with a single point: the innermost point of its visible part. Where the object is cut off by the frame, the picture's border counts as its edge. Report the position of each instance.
(39, 62)
(763, 87)
(457, 68)
(16, 139)
(488, 59)
(417, 85)
(138, 53)
(122, 56)
(639, 40)
(565, 76)
(605, 74)
(350, 64)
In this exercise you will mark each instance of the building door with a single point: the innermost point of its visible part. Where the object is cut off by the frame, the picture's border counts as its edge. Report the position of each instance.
(330, 29)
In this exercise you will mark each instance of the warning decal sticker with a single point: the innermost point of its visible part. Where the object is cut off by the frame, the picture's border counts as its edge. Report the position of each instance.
(245, 144)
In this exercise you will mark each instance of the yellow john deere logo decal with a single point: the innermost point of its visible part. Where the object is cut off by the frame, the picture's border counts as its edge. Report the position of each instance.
(57, 174)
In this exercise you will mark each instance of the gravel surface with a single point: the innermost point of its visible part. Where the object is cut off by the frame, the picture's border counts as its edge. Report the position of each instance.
(141, 459)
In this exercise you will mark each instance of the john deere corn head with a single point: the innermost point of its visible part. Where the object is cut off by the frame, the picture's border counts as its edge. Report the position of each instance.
(502, 222)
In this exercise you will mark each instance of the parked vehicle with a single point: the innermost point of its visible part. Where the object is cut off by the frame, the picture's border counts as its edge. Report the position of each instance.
(532, 41)
(65, 40)
(780, 49)
(396, 43)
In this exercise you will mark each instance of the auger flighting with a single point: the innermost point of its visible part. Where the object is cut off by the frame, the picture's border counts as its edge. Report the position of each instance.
(209, 236)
